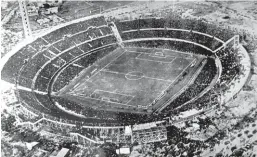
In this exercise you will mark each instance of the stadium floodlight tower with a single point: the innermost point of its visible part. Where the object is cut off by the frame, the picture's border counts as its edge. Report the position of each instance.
(25, 18)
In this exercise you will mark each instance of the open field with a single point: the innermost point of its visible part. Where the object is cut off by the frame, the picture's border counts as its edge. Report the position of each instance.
(131, 79)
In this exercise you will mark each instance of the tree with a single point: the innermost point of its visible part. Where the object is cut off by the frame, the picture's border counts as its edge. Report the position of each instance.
(7, 122)
(107, 150)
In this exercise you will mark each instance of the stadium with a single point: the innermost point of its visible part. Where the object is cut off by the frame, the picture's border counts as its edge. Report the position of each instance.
(124, 81)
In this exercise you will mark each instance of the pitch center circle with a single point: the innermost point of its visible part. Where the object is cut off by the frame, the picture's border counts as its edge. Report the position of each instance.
(135, 75)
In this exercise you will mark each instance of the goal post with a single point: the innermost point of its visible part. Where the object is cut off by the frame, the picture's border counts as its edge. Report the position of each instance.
(232, 43)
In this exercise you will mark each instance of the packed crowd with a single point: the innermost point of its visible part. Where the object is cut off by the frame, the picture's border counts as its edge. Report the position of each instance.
(30, 101)
(204, 102)
(12, 67)
(100, 117)
(81, 63)
(200, 83)
(230, 68)
(176, 145)
(173, 45)
(90, 34)
(40, 51)
(48, 71)
(230, 64)
(42, 105)
(64, 38)
(209, 42)
(140, 23)
(46, 74)
(74, 28)
(66, 76)
(176, 21)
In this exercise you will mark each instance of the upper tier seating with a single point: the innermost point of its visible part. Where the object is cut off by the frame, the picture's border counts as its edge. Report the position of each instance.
(66, 51)
(230, 65)
(74, 69)
(178, 23)
(42, 102)
(38, 61)
(173, 45)
(75, 54)
(209, 42)
(12, 68)
(201, 82)
(74, 28)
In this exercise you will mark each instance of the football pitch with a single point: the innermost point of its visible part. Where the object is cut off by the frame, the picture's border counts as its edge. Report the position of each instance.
(130, 79)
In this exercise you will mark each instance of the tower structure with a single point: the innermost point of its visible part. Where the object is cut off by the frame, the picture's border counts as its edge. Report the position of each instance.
(25, 18)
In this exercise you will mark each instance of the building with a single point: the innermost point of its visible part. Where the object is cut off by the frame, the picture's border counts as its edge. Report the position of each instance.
(64, 152)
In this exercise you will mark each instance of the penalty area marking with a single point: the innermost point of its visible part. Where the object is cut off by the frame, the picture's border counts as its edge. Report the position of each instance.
(95, 91)
(152, 60)
(107, 99)
(141, 78)
(164, 51)
(106, 65)
(157, 55)
(83, 96)
(134, 74)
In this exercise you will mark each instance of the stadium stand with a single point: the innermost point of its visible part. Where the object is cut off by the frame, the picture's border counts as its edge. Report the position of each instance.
(66, 76)
(173, 45)
(58, 57)
(30, 99)
(11, 69)
(207, 41)
(178, 22)
(229, 61)
(201, 82)
(74, 29)
(83, 62)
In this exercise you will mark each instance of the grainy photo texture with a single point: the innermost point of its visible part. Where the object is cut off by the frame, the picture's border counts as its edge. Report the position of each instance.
(128, 78)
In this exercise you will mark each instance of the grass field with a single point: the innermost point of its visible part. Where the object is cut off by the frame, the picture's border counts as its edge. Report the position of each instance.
(130, 79)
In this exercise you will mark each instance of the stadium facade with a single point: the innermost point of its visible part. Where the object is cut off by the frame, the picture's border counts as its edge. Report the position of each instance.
(102, 74)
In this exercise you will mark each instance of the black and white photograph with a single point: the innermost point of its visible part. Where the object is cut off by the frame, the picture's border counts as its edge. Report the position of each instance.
(113, 78)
